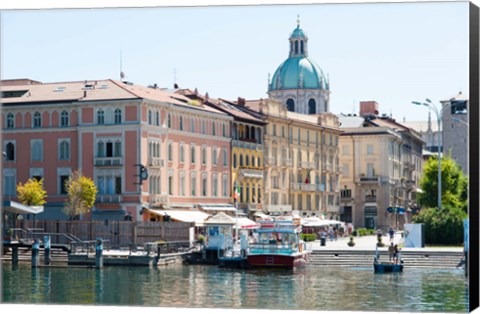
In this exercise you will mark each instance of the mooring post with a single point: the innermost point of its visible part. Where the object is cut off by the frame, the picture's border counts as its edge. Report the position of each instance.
(14, 255)
(35, 253)
(99, 253)
(46, 246)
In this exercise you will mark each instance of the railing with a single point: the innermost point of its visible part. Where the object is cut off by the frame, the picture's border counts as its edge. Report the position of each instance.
(368, 179)
(271, 161)
(307, 164)
(370, 198)
(108, 198)
(287, 162)
(156, 162)
(108, 161)
(276, 248)
(251, 173)
(247, 144)
(278, 208)
(158, 199)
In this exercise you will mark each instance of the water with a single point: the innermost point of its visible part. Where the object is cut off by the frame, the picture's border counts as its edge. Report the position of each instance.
(311, 288)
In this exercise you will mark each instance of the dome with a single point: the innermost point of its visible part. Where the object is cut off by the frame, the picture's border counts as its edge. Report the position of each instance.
(297, 33)
(298, 73)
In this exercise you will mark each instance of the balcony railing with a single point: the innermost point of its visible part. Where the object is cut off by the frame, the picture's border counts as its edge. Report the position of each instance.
(370, 198)
(272, 161)
(306, 164)
(108, 161)
(108, 198)
(368, 179)
(287, 162)
(158, 199)
(155, 162)
(247, 144)
(251, 173)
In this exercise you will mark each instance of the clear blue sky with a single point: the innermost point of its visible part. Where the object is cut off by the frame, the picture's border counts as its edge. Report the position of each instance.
(391, 53)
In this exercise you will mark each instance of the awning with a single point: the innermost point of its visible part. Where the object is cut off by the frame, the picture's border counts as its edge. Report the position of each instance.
(194, 216)
(317, 222)
(17, 208)
(245, 223)
(217, 207)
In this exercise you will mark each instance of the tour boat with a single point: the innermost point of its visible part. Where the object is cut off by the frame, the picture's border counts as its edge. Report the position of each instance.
(277, 243)
(387, 267)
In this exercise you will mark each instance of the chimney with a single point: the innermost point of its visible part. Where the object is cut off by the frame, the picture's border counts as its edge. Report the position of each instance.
(368, 108)
(241, 101)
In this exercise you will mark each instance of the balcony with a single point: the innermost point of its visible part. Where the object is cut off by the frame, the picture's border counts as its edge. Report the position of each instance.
(287, 162)
(108, 161)
(306, 164)
(251, 173)
(345, 199)
(247, 144)
(157, 200)
(370, 198)
(278, 208)
(271, 161)
(108, 198)
(368, 179)
(155, 162)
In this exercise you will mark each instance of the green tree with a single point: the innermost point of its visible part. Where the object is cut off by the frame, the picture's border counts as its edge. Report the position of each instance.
(442, 227)
(32, 192)
(81, 195)
(454, 184)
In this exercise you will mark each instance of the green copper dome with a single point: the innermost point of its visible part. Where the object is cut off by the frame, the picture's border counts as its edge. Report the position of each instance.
(298, 71)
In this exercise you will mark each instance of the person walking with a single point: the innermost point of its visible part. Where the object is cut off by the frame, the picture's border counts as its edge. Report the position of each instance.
(391, 232)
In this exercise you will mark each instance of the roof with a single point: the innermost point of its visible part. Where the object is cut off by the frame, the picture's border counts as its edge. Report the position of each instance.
(350, 121)
(298, 72)
(14, 207)
(95, 90)
(194, 216)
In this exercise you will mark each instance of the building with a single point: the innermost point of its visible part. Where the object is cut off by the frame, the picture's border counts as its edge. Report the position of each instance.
(301, 161)
(298, 82)
(381, 162)
(247, 162)
(108, 130)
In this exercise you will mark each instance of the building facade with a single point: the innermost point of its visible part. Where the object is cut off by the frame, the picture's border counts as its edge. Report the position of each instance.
(381, 162)
(107, 130)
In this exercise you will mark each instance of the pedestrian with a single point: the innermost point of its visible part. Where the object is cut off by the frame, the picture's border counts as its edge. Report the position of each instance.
(391, 251)
(391, 232)
(396, 254)
(330, 233)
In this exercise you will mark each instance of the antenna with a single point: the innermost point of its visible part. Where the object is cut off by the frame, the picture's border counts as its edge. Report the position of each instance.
(174, 76)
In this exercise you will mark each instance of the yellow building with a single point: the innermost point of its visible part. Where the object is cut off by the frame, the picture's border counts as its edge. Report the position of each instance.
(301, 161)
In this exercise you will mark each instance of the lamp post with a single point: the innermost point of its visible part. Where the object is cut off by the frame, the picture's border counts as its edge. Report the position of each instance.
(429, 104)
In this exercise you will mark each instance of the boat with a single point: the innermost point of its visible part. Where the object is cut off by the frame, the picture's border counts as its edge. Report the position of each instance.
(277, 243)
(387, 267)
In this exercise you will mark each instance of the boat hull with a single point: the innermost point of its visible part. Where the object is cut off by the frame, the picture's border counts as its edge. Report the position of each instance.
(387, 268)
(277, 261)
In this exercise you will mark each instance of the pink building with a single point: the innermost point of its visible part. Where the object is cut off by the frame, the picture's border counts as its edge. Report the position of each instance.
(107, 129)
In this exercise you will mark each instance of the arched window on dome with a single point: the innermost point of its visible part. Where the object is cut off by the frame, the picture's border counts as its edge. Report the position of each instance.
(312, 106)
(296, 46)
(301, 47)
(290, 104)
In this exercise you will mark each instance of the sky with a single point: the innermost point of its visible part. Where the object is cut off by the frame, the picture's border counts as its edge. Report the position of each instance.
(393, 53)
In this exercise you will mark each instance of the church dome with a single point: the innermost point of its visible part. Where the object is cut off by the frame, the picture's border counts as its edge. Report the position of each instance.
(298, 71)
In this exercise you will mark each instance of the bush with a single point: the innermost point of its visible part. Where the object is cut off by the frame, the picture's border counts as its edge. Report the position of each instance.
(442, 227)
(308, 237)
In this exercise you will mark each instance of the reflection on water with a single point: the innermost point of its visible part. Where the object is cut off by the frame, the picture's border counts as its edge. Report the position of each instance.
(311, 288)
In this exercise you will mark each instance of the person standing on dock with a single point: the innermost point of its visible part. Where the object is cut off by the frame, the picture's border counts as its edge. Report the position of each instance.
(391, 251)
(391, 232)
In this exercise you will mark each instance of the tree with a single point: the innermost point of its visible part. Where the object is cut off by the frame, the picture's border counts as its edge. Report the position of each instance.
(32, 192)
(454, 184)
(442, 227)
(81, 192)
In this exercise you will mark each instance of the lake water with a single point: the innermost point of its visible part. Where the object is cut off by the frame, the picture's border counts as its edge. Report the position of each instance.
(311, 288)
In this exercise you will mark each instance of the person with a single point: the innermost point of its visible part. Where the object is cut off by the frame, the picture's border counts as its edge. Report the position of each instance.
(395, 254)
(391, 251)
(391, 232)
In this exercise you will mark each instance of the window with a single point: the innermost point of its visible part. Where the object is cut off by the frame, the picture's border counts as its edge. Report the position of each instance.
(170, 185)
(204, 155)
(64, 149)
(10, 151)
(369, 149)
(370, 170)
(274, 130)
(241, 160)
(118, 116)
(215, 185)
(234, 161)
(247, 161)
(312, 106)
(150, 117)
(169, 120)
(225, 156)
(193, 184)
(37, 120)
(63, 181)
(182, 183)
(290, 104)
(224, 186)
(299, 136)
(157, 118)
(345, 170)
(10, 121)
(192, 154)
(346, 193)
(64, 117)
(224, 130)
(204, 184)
(182, 153)
(100, 117)
(214, 131)
(109, 184)
(170, 151)
(9, 182)
(204, 127)
(214, 157)
(109, 149)
(192, 125)
(181, 123)
(36, 148)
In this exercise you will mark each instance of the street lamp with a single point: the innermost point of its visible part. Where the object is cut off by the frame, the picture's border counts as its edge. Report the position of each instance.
(429, 104)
